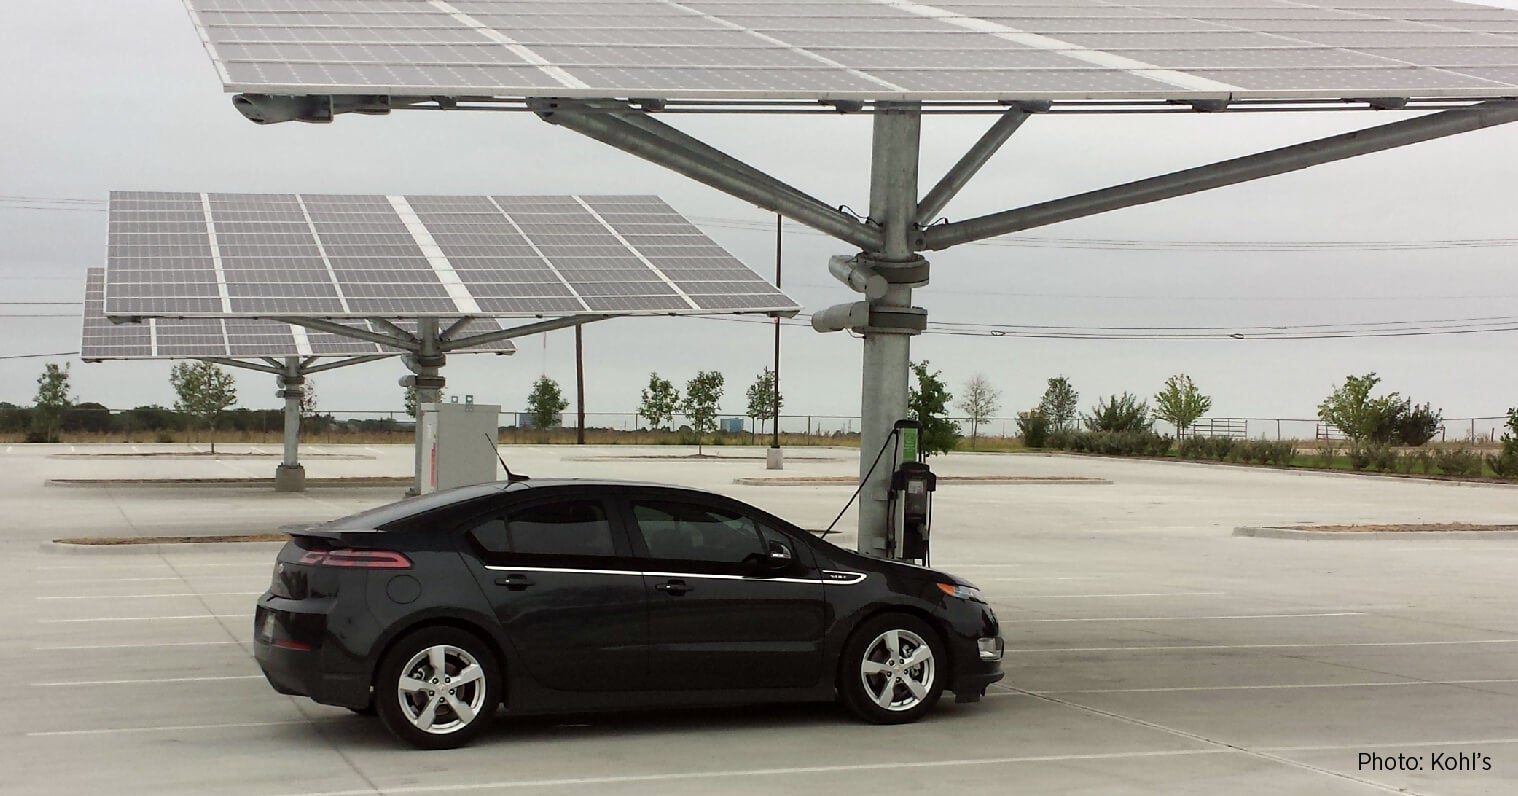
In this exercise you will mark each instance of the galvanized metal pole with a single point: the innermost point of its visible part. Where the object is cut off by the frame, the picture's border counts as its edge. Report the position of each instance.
(887, 351)
(290, 476)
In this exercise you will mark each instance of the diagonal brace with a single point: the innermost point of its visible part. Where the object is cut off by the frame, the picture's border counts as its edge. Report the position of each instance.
(243, 363)
(307, 368)
(343, 330)
(520, 331)
(1227, 172)
(957, 177)
(677, 151)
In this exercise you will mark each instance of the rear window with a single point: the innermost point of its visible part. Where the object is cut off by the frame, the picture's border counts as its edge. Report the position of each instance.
(570, 528)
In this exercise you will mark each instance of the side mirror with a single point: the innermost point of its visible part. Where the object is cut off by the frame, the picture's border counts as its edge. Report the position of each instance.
(777, 556)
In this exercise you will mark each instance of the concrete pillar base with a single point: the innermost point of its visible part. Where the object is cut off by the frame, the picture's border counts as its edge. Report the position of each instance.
(774, 460)
(290, 478)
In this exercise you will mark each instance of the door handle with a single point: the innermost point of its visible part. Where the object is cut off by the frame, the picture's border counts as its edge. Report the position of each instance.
(514, 582)
(673, 588)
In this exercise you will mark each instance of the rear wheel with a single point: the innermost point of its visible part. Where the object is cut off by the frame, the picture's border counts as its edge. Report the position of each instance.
(437, 688)
(890, 669)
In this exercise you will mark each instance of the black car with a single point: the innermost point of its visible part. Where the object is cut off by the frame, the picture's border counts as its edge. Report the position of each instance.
(566, 595)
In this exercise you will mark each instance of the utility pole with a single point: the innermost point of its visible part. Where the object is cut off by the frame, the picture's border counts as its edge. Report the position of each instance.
(579, 384)
(775, 460)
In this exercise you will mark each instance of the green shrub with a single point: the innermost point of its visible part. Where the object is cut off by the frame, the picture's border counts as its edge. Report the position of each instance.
(1033, 425)
(1119, 413)
(1459, 461)
(1359, 456)
(1192, 448)
(1383, 458)
(1418, 424)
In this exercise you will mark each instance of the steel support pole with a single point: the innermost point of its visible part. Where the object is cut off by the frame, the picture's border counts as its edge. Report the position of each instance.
(290, 476)
(426, 365)
(774, 459)
(972, 162)
(887, 351)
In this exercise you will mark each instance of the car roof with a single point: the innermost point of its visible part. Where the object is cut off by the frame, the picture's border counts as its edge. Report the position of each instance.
(410, 507)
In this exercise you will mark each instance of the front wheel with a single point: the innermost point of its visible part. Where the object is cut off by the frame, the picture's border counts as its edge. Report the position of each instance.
(437, 688)
(890, 670)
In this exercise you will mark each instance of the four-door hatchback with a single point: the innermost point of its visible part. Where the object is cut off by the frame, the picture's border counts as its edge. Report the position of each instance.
(550, 596)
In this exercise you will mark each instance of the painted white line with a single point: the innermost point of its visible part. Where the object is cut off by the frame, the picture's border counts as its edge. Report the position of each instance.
(152, 681)
(154, 561)
(1179, 618)
(1408, 745)
(147, 596)
(174, 728)
(78, 647)
(1004, 580)
(1094, 596)
(755, 772)
(142, 618)
(1330, 644)
(983, 566)
(1282, 687)
(260, 577)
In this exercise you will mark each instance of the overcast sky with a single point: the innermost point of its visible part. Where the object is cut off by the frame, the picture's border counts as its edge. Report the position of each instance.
(118, 94)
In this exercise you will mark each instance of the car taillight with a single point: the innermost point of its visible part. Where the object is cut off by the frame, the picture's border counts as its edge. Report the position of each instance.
(357, 559)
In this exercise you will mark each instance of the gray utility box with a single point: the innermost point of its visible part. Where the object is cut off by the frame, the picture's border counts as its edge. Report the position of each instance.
(454, 445)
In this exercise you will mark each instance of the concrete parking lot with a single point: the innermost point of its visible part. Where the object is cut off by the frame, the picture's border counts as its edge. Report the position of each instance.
(1149, 650)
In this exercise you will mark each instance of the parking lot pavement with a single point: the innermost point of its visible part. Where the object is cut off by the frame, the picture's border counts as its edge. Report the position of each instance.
(1149, 651)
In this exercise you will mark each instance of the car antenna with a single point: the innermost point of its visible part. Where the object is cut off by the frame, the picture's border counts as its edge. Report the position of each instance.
(511, 478)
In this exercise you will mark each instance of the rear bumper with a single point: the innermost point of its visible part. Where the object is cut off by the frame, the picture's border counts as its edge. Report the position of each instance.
(296, 664)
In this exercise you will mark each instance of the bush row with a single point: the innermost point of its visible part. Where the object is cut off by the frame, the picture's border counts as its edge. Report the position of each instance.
(1110, 443)
(1226, 449)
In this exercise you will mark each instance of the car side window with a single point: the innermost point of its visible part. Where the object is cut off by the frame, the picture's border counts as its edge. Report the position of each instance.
(689, 532)
(564, 528)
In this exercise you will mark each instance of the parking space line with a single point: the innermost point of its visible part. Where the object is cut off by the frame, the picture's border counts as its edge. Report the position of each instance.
(1281, 687)
(175, 578)
(1095, 596)
(1181, 618)
(1408, 745)
(1266, 646)
(173, 728)
(675, 776)
(146, 596)
(153, 680)
(81, 647)
(142, 618)
(1005, 580)
(149, 560)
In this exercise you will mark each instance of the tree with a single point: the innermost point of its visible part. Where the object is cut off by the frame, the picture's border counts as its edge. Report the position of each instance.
(1119, 413)
(660, 399)
(702, 395)
(1180, 403)
(545, 403)
(928, 401)
(1059, 404)
(979, 403)
(1362, 418)
(52, 399)
(308, 398)
(411, 400)
(762, 400)
(205, 391)
(1418, 424)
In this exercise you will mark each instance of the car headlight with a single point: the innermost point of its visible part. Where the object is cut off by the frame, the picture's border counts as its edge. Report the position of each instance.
(962, 592)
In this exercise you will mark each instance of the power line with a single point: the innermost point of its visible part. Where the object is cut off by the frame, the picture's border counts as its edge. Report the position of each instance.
(39, 356)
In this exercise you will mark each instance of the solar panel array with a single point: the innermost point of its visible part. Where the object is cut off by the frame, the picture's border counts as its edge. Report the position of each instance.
(236, 338)
(864, 49)
(262, 255)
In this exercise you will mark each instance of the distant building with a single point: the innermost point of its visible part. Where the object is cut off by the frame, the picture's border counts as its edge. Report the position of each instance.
(730, 425)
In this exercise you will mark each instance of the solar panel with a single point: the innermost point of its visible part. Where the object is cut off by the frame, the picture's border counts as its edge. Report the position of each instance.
(192, 255)
(163, 338)
(863, 49)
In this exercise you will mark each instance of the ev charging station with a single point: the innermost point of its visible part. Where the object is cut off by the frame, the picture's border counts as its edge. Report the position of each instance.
(455, 444)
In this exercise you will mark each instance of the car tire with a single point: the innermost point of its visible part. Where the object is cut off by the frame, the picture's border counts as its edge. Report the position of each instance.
(893, 669)
(438, 688)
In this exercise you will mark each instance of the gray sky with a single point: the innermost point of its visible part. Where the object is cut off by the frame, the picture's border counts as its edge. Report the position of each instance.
(118, 94)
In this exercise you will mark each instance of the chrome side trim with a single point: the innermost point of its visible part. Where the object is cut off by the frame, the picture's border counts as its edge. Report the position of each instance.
(829, 578)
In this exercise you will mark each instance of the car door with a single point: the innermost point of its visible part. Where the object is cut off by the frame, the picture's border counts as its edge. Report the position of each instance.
(562, 580)
(718, 618)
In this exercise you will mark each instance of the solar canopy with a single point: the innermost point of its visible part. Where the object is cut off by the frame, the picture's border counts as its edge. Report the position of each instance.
(864, 49)
(188, 255)
(163, 338)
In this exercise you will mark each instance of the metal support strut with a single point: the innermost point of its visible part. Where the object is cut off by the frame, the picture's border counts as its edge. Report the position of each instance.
(892, 318)
(290, 476)
(427, 382)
